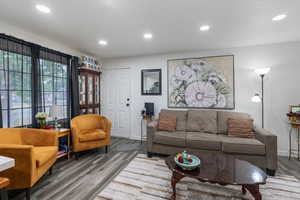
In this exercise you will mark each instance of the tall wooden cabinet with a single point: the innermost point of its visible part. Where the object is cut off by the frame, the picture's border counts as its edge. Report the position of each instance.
(89, 91)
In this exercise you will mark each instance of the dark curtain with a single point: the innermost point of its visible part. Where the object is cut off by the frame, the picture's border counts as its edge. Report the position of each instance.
(75, 107)
(35, 84)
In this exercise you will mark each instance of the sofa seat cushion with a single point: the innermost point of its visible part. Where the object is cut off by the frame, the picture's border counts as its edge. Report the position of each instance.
(44, 154)
(203, 141)
(92, 135)
(176, 138)
(242, 145)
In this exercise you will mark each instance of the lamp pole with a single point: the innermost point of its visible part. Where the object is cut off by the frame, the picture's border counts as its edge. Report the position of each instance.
(262, 100)
(257, 98)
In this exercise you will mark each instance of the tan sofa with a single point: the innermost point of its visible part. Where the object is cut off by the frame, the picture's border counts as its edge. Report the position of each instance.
(206, 130)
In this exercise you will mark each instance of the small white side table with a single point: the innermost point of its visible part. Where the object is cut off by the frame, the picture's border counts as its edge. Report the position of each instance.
(144, 118)
(6, 163)
(294, 126)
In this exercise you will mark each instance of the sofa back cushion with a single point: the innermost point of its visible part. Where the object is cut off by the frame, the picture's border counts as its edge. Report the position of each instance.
(223, 117)
(181, 116)
(202, 121)
(240, 127)
(10, 136)
(167, 122)
(88, 122)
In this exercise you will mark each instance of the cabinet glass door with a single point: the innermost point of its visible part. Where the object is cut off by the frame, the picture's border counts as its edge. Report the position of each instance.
(82, 91)
(90, 89)
(97, 91)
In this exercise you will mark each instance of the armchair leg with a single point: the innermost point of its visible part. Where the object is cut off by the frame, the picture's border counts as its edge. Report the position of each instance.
(76, 155)
(106, 149)
(28, 192)
(50, 171)
(3, 194)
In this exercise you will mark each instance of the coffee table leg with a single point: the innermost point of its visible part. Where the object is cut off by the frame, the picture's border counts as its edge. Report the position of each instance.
(175, 179)
(254, 190)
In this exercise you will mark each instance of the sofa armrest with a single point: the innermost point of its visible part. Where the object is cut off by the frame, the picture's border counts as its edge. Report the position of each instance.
(270, 141)
(151, 129)
(39, 137)
(107, 129)
(108, 126)
(25, 167)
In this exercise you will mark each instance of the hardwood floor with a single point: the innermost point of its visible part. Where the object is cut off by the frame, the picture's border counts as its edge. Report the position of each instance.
(82, 179)
(289, 167)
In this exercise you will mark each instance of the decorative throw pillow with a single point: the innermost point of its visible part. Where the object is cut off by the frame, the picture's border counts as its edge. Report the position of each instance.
(240, 127)
(167, 122)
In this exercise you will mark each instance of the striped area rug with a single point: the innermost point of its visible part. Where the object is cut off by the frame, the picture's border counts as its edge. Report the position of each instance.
(149, 179)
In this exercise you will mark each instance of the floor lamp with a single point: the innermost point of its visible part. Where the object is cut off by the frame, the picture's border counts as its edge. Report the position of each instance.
(260, 98)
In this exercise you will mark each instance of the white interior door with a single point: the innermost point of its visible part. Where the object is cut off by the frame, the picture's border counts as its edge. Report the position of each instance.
(116, 98)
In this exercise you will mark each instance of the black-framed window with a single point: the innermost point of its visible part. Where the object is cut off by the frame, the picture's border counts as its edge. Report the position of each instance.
(54, 83)
(15, 84)
(32, 79)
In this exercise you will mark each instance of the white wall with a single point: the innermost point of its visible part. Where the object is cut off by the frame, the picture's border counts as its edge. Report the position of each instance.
(36, 38)
(281, 84)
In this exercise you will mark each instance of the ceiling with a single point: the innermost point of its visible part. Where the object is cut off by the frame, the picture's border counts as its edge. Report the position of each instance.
(174, 24)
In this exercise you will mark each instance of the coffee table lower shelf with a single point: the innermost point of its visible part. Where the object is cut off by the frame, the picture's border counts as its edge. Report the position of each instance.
(252, 188)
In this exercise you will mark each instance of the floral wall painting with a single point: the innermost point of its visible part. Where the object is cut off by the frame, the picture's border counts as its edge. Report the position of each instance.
(206, 82)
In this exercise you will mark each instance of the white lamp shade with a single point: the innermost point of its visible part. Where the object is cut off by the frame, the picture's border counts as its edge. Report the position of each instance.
(55, 111)
(262, 71)
(256, 98)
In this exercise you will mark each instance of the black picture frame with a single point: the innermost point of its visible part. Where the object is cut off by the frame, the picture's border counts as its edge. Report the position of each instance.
(143, 75)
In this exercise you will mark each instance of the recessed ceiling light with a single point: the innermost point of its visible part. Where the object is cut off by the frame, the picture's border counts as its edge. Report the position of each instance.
(43, 8)
(279, 17)
(148, 35)
(103, 42)
(204, 28)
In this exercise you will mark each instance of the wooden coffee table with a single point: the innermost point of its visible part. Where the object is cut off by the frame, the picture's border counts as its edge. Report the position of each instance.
(221, 169)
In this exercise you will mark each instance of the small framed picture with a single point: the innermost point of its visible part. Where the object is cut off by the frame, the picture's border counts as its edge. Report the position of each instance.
(295, 109)
(151, 82)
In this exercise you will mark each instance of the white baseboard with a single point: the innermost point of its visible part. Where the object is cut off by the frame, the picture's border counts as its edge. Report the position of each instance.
(283, 153)
(119, 136)
(136, 138)
(286, 153)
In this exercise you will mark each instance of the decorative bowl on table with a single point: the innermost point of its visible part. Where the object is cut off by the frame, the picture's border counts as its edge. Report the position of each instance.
(186, 161)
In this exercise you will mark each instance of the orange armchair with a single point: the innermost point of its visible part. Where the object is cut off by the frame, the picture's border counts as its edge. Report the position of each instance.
(90, 131)
(34, 151)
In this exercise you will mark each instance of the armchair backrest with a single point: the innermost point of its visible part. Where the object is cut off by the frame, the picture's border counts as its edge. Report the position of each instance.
(10, 136)
(88, 122)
